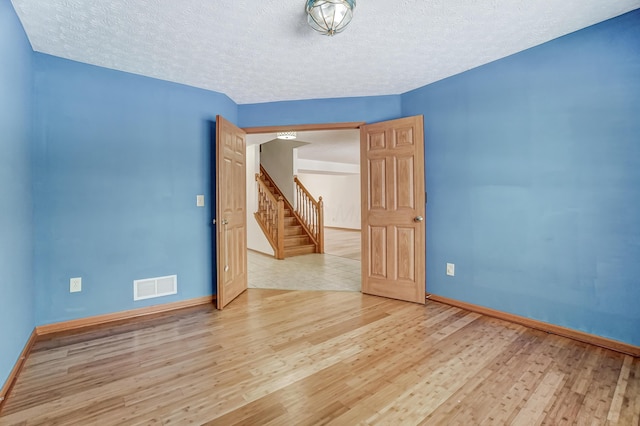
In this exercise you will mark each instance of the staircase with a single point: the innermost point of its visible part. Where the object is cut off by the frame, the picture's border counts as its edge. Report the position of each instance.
(287, 232)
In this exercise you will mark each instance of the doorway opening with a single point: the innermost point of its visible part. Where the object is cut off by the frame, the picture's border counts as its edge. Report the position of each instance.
(327, 162)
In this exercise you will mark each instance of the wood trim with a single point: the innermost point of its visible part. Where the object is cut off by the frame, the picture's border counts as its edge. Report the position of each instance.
(339, 228)
(80, 323)
(265, 175)
(317, 219)
(279, 201)
(260, 181)
(581, 336)
(8, 384)
(90, 322)
(305, 190)
(320, 221)
(304, 127)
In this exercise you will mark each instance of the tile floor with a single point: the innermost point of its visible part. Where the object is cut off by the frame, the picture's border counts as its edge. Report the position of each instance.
(307, 272)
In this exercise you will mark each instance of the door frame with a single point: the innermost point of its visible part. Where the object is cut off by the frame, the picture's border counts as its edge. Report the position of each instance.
(354, 125)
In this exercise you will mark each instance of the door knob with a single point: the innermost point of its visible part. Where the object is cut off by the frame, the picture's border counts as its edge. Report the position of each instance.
(418, 219)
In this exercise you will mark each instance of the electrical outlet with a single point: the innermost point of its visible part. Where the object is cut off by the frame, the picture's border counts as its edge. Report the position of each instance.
(75, 285)
(451, 269)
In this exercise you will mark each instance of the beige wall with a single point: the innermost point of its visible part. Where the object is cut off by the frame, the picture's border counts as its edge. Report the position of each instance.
(341, 196)
(277, 157)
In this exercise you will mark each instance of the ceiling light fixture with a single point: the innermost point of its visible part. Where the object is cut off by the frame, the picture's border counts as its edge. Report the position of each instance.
(286, 135)
(329, 17)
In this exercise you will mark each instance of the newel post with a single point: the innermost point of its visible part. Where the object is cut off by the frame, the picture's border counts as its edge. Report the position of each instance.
(280, 251)
(320, 225)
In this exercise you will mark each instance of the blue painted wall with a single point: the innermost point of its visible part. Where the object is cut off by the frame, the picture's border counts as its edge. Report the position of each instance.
(533, 175)
(119, 160)
(16, 240)
(533, 165)
(335, 110)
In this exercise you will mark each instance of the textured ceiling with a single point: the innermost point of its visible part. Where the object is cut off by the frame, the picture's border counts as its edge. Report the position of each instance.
(263, 51)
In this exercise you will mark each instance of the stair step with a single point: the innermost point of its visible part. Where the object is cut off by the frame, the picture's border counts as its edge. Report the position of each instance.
(295, 240)
(299, 250)
(290, 221)
(293, 230)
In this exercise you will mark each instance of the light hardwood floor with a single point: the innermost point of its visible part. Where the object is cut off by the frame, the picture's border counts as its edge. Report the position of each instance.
(310, 357)
(343, 243)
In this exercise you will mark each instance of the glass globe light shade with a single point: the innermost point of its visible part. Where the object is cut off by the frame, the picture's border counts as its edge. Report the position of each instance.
(329, 17)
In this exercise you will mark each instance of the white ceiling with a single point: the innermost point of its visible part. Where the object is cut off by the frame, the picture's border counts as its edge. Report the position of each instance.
(263, 51)
(335, 146)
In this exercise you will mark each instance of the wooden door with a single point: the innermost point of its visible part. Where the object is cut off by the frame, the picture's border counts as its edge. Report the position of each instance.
(393, 209)
(231, 217)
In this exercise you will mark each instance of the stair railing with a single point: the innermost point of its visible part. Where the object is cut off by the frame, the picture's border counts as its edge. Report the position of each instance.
(270, 217)
(311, 212)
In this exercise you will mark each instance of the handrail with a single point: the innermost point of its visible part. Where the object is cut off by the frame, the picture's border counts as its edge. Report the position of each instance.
(262, 185)
(267, 179)
(311, 212)
(270, 217)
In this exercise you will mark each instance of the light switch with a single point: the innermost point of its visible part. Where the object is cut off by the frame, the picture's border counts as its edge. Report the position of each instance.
(200, 200)
(451, 269)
